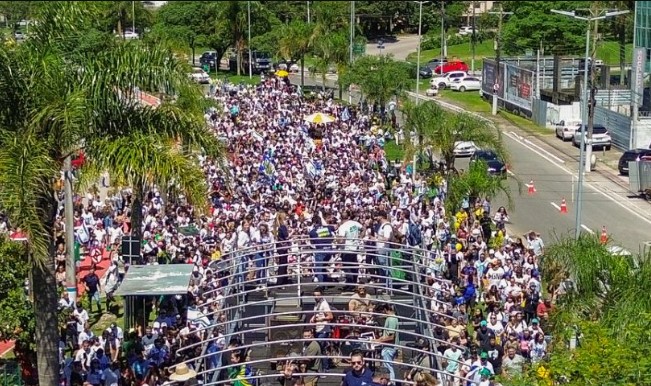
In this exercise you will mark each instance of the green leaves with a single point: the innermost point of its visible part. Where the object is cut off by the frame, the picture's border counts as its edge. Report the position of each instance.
(379, 77)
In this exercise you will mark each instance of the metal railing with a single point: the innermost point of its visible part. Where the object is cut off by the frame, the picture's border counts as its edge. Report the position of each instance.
(248, 285)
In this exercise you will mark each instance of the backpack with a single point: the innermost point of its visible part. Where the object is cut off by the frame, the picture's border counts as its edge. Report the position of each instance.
(414, 235)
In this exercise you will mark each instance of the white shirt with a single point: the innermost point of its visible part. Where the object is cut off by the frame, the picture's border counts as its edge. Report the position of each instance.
(351, 231)
(320, 310)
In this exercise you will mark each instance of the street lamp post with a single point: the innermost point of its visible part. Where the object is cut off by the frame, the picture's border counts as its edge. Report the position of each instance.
(420, 26)
(584, 151)
(248, 12)
(308, 13)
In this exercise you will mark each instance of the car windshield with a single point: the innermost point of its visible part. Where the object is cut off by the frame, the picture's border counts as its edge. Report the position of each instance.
(599, 130)
(197, 71)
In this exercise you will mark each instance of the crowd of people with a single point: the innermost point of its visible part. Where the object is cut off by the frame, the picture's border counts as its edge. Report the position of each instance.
(291, 185)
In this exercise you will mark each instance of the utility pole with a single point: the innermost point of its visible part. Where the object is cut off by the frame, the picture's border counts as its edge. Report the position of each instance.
(498, 49)
(352, 46)
(248, 12)
(443, 49)
(420, 23)
(133, 17)
(308, 13)
(593, 92)
(71, 269)
(474, 39)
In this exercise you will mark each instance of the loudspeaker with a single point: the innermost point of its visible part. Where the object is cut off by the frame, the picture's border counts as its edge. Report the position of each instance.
(130, 249)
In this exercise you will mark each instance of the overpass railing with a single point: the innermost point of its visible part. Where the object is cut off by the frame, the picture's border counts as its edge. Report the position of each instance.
(398, 274)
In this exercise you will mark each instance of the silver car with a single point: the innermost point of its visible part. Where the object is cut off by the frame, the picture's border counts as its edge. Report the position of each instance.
(600, 137)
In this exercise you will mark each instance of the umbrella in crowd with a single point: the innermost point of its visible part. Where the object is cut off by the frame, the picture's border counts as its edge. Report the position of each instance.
(282, 73)
(319, 118)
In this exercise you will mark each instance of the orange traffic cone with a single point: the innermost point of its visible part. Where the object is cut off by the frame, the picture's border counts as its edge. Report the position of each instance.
(563, 206)
(603, 239)
(532, 188)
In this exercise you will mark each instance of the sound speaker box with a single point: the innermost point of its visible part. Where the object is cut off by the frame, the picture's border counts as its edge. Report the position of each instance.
(130, 249)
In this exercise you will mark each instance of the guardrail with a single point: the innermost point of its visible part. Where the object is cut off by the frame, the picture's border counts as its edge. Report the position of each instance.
(246, 272)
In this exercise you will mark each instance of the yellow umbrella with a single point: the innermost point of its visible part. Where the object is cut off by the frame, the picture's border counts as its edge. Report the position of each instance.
(319, 118)
(282, 73)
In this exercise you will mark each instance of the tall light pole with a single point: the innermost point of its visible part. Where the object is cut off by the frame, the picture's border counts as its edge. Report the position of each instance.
(583, 160)
(248, 11)
(474, 38)
(308, 13)
(351, 47)
(133, 17)
(443, 49)
(498, 52)
(420, 26)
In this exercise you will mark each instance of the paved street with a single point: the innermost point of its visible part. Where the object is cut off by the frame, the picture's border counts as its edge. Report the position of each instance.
(403, 46)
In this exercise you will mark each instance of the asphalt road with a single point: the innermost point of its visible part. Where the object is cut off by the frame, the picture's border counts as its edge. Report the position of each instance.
(403, 46)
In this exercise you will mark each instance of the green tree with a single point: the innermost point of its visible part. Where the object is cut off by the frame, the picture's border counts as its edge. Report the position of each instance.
(184, 23)
(120, 16)
(15, 11)
(474, 183)
(440, 130)
(16, 314)
(534, 24)
(379, 77)
(296, 42)
(60, 102)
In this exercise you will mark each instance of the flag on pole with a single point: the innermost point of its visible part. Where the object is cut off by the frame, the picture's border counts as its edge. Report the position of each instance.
(345, 115)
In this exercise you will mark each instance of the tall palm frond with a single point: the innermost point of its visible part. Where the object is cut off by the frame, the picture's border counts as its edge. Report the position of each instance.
(27, 176)
(149, 159)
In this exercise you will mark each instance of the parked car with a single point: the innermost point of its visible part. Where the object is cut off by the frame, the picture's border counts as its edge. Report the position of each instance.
(496, 166)
(467, 83)
(445, 80)
(464, 148)
(425, 72)
(19, 35)
(600, 137)
(465, 30)
(294, 68)
(130, 34)
(432, 64)
(631, 155)
(565, 131)
(451, 66)
(433, 90)
(200, 76)
(209, 58)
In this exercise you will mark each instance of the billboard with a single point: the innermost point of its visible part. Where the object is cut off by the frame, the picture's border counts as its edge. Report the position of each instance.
(519, 86)
(489, 77)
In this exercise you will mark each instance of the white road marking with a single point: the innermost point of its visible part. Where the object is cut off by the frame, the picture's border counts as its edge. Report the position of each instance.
(521, 141)
(510, 173)
(545, 154)
(555, 205)
(615, 198)
(587, 229)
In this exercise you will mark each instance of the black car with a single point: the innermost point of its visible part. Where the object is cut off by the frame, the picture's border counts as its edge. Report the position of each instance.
(496, 166)
(209, 58)
(425, 72)
(631, 155)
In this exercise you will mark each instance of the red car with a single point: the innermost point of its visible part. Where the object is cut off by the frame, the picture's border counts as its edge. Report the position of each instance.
(451, 66)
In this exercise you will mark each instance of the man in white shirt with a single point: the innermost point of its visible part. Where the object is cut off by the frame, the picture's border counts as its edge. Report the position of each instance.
(322, 316)
(384, 235)
(349, 233)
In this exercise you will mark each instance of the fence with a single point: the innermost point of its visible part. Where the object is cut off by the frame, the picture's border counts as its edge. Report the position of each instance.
(10, 374)
(269, 321)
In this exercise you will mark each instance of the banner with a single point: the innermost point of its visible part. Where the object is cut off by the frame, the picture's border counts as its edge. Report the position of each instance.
(639, 65)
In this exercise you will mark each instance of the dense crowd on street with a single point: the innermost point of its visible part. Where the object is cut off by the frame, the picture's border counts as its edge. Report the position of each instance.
(291, 185)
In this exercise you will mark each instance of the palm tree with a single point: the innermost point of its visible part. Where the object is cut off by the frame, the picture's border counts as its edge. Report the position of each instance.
(57, 103)
(296, 42)
(234, 15)
(440, 130)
